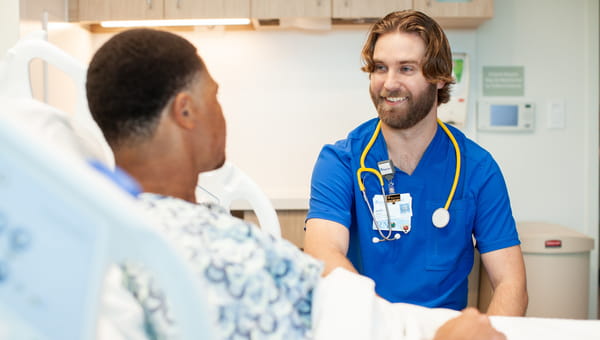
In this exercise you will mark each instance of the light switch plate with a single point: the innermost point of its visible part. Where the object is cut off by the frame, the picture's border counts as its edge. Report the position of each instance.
(556, 114)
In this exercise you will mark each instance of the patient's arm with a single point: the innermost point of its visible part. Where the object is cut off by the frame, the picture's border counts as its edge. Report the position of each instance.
(469, 325)
(328, 241)
(507, 275)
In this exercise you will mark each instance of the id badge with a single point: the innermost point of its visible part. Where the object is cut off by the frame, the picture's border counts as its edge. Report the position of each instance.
(399, 210)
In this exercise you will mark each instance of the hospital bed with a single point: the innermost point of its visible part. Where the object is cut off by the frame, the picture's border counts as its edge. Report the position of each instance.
(345, 306)
(225, 185)
(229, 184)
(71, 231)
(59, 237)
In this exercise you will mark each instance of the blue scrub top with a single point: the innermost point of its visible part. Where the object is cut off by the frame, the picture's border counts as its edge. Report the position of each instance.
(428, 266)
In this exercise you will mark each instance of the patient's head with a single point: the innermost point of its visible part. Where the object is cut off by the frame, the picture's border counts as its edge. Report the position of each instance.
(133, 76)
(156, 104)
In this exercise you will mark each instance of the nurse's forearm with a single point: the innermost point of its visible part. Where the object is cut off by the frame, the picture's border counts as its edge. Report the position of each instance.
(506, 270)
(509, 300)
(330, 255)
(335, 260)
(328, 241)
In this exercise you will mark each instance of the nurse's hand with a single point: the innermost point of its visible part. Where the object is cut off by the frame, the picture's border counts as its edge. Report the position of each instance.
(469, 325)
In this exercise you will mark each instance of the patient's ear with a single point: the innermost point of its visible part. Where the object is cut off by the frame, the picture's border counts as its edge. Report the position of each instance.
(181, 110)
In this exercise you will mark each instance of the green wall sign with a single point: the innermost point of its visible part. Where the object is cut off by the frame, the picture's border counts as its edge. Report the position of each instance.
(504, 81)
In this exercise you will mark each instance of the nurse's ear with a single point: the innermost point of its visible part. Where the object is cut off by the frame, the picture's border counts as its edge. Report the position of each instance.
(182, 110)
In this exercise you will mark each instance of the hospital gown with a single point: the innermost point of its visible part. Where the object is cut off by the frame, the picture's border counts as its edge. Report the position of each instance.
(265, 288)
(259, 287)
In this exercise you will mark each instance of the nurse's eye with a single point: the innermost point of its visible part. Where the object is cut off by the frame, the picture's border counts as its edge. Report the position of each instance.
(407, 69)
(379, 68)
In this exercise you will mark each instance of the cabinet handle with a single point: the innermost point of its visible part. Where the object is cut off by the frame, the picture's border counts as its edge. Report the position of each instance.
(149, 4)
(346, 4)
(178, 4)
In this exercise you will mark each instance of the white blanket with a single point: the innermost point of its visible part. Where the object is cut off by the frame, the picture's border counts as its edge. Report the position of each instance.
(345, 307)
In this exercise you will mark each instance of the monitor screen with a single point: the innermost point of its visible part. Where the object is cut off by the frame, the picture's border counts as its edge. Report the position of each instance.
(504, 115)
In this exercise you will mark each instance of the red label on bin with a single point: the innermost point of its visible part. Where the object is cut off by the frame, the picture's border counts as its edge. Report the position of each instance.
(553, 243)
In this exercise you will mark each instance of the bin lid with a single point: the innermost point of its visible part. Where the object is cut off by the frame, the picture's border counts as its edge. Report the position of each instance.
(543, 237)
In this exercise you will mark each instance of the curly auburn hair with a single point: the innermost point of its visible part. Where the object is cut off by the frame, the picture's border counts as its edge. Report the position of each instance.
(437, 64)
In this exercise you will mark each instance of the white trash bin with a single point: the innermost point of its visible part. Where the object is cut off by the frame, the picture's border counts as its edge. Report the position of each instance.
(557, 261)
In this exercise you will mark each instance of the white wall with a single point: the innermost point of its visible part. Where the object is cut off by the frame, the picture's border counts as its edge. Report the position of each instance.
(9, 24)
(286, 93)
(76, 41)
(552, 174)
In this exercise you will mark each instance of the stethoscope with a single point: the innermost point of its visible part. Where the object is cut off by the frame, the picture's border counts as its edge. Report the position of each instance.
(440, 217)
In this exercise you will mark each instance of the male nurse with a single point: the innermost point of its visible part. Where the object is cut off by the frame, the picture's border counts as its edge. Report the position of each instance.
(405, 199)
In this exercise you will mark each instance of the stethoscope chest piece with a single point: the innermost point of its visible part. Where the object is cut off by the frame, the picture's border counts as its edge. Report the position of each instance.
(440, 218)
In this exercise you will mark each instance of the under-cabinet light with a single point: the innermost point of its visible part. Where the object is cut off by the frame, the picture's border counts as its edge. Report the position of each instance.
(176, 22)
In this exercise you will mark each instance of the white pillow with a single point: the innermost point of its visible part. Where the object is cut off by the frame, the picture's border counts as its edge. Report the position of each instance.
(55, 127)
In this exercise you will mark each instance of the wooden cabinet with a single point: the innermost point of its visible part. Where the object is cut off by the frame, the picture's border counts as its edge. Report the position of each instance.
(349, 9)
(459, 14)
(194, 9)
(450, 14)
(269, 9)
(291, 222)
(33, 10)
(97, 10)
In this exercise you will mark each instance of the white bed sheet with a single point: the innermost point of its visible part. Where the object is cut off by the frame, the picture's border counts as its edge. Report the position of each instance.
(345, 307)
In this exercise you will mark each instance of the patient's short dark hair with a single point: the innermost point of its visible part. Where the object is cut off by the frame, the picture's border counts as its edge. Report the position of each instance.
(132, 77)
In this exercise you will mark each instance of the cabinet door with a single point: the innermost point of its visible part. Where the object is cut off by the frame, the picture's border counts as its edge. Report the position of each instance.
(97, 10)
(457, 13)
(368, 9)
(206, 9)
(268, 9)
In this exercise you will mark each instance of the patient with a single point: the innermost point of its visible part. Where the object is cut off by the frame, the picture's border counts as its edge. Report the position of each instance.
(157, 106)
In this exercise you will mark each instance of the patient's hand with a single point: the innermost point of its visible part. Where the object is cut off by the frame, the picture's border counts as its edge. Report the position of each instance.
(469, 325)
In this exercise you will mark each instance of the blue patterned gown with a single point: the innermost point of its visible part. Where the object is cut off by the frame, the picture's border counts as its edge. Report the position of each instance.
(260, 287)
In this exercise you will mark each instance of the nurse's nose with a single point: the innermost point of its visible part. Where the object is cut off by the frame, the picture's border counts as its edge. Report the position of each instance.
(393, 81)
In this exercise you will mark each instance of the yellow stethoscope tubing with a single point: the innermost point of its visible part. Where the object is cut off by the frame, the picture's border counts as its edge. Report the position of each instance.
(367, 148)
(361, 184)
(457, 171)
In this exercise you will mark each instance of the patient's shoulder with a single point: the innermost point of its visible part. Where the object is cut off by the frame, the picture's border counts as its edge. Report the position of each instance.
(176, 215)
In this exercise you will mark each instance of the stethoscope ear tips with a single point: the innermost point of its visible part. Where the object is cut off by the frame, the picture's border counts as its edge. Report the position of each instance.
(440, 218)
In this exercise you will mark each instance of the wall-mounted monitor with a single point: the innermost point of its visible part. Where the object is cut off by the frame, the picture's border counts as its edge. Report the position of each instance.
(505, 115)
